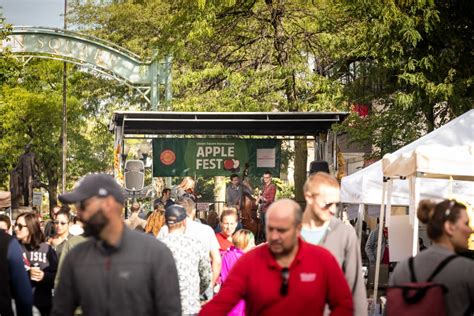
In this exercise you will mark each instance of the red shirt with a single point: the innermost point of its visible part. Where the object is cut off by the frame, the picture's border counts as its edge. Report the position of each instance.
(315, 279)
(224, 244)
(268, 193)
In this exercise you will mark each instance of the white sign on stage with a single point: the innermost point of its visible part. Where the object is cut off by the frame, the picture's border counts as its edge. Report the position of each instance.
(266, 157)
(400, 238)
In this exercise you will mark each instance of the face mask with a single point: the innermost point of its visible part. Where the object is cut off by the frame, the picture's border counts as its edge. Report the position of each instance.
(94, 226)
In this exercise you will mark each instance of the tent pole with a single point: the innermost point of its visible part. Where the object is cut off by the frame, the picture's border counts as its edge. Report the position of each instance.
(416, 199)
(379, 240)
(360, 218)
(389, 202)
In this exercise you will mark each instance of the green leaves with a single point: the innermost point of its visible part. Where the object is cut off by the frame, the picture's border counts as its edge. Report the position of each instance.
(31, 112)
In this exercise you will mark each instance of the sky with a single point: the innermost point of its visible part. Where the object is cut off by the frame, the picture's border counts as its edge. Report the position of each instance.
(46, 13)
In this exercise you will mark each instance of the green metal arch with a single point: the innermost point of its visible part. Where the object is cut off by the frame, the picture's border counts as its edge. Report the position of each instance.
(105, 57)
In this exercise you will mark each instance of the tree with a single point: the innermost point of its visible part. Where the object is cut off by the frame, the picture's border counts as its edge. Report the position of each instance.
(415, 68)
(30, 113)
(234, 56)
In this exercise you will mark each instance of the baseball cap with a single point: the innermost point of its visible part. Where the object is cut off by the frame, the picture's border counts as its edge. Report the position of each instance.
(98, 184)
(175, 214)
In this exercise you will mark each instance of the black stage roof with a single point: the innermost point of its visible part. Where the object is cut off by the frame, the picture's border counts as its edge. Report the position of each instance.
(226, 123)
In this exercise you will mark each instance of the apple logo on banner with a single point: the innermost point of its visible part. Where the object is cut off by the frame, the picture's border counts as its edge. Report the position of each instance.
(232, 165)
(167, 157)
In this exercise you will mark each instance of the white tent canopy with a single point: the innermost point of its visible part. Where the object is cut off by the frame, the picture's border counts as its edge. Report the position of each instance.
(429, 166)
(365, 186)
(434, 161)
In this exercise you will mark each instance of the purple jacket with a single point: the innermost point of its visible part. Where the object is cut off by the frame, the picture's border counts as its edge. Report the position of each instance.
(229, 258)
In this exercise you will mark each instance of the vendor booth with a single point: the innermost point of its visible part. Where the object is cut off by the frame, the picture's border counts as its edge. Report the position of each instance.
(365, 186)
(436, 166)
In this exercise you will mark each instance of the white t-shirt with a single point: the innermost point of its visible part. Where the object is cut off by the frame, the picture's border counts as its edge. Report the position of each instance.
(201, 232)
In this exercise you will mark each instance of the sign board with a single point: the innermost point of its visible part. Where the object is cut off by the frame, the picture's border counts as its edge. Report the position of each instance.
(400, 238)
(37, 198)
(215, 157)
(82, 50)
(202, 207)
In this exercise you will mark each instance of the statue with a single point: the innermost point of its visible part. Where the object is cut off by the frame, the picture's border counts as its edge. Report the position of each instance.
(22, 178)
(15, 188)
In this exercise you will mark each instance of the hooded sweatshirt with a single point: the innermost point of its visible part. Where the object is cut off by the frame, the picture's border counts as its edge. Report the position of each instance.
(341, 240)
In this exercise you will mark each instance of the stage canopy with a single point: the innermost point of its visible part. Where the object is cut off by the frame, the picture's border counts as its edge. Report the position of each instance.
(225, 123)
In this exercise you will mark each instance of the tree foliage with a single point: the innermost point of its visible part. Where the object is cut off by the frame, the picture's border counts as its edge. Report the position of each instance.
(415, 68)
(31, 113)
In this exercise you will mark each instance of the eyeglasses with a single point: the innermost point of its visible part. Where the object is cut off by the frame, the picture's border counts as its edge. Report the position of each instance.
(60, 223)
(19, 226)
(285, 276)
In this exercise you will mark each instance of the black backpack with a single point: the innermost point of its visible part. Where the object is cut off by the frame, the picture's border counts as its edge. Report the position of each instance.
(418, 298)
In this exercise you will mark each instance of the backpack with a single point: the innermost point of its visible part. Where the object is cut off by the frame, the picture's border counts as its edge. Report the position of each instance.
(418, 298)
(154, 223)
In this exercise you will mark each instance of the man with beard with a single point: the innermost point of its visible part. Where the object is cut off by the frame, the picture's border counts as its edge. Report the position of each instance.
(286, 276)
(118, 271)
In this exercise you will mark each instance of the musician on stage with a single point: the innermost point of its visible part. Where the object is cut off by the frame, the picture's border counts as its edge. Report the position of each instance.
(235, 190)
(267, 197)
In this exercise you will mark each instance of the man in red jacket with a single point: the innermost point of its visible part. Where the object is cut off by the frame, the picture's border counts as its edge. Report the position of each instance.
(285, 276)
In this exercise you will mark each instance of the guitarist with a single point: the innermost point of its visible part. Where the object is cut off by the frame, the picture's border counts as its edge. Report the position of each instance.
(267, 196)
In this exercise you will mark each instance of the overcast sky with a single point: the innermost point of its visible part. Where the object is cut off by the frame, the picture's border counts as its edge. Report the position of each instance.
(33, 12)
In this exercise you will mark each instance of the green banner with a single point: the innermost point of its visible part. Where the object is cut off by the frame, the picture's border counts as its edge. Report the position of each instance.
(215, 157)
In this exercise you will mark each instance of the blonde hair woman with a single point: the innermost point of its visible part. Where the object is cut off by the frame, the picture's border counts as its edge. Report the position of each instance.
(185, 188)
(243, 241)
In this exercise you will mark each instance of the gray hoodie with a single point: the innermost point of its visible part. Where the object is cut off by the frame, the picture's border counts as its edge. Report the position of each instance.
(341, 240)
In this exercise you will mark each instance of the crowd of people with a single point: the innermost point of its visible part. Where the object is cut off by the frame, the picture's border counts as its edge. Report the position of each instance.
(169, 263)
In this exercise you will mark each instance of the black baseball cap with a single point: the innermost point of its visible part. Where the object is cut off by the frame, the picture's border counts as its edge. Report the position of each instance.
(175, 214)
(99, 184)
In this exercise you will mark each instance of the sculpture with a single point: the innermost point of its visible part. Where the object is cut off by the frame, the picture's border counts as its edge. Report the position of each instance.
(22, 178)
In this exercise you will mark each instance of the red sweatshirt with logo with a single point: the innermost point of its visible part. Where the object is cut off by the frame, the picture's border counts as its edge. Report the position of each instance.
(315, 279)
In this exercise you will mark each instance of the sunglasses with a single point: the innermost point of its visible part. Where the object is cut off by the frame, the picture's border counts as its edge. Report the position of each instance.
(285, 276)
(81, 205)
(324, 205)
(20, 226)
(449, 209)
(60, 223)
(327, 206)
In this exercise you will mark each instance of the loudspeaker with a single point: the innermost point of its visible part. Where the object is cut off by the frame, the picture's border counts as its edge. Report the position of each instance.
(318, 165)
(134, 175)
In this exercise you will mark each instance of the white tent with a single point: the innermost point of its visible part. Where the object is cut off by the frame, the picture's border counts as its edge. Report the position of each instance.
(434, 162)
(365, 186)
(430, 164)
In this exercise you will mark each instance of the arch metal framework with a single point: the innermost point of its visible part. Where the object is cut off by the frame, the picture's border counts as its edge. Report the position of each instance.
(148, 77)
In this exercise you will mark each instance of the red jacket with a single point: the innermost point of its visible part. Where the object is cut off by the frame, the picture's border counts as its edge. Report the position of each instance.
(315, 279)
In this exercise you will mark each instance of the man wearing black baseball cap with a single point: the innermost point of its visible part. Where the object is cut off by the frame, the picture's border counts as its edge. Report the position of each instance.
(191, 257)
(118, 271)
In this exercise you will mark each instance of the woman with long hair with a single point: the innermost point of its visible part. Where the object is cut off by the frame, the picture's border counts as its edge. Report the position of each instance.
(61, 227)
(185, 188)
(243, 241)
(448, 228)
(39, 258)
